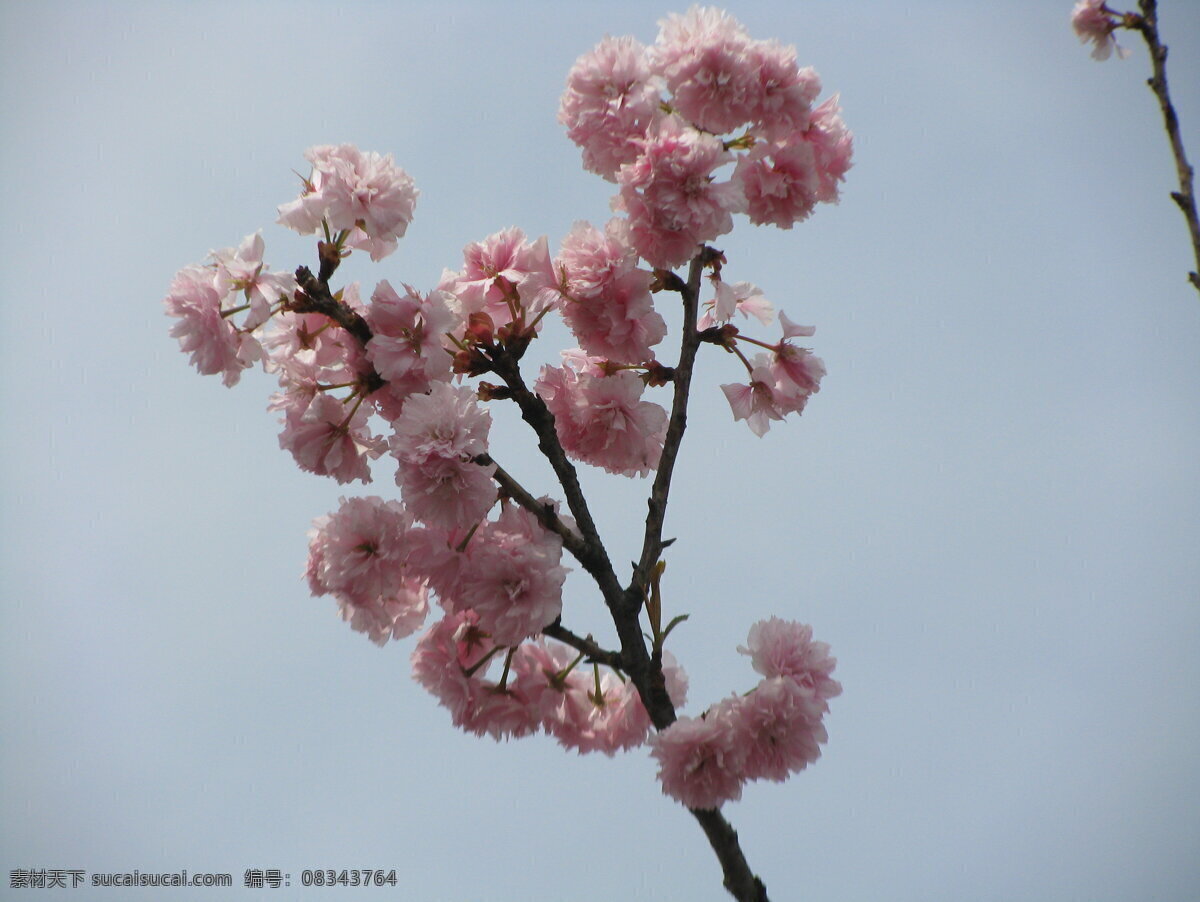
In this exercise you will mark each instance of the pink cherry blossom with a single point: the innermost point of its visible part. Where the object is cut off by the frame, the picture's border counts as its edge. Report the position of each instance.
(359, 555)
(308, 346)
(558, 696)
(332, 439)
(1094, 21)
(446, 492)
(705, 57)
(671, 196)
(785, 91)
(504, 274)
(619, 719)
(785, 648)
(359, 551)
(241, 270)
(779, 727)
(506, 571)
(205, 329)
(609, 104)
(512, 581)
(700, 761)
(502, 713)
(436, 439)
(780, 383)
(406, 347)
(745, 298)
(797, 373)
(676, 679)
(365, 194)
(606, 298)
(756, 402)
(601, 419)
(451, 660)
(780, 182)
(834, 146)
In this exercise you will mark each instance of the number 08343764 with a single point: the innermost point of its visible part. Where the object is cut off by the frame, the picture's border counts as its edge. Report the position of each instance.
(344, 877)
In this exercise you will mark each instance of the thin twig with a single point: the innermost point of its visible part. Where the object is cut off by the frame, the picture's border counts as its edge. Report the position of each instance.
(544, 511)
(587, 646)
(652, 544)
(1185, 197)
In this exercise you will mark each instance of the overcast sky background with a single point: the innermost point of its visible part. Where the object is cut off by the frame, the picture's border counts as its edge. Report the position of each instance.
(991, 511)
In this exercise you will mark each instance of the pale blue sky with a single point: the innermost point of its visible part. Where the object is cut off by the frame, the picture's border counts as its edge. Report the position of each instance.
(991, 511)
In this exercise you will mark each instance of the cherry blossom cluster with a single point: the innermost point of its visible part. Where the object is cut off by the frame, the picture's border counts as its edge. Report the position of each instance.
(396, 378)
(769, 733)
(651, 119)
(541, 687)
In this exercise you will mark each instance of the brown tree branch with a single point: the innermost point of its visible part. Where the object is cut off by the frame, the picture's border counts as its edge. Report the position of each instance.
(1185, 197)
(652, 544)
(586, 546)
(586, 645)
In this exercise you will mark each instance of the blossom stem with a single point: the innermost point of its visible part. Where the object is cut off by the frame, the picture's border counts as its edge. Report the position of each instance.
(755, 341)
(587, 646)
(740, 881)
(1185, 197)
(652, 544)
(590, 552)
(544, 512)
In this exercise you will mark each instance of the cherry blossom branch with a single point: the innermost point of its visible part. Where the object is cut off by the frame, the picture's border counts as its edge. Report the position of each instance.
(740, 881)
(587, 646)
(591, 554)
(652, 545)
(314, 296)
(1185, 198)
(544, 511)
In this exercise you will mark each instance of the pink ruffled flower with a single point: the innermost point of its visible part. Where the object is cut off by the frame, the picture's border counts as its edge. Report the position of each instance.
(609, 104)
(304, 347)
(365, 194)
(784, 648)
(780, 182)
(406, 345)
(1095, 22)
(786, 92)
(513, 579)
(359, 554)
(671, 197)
(601, 419)
(619, 719)
(502, 713)
(331, 440)
(241, 271)
(606, 298)
(441, 657)
(706, 57)
(700, 761)
(502, 271)
(359, 550)
(779, 727)
(451, 661)
(436, 439)
(559, 698)
(834, 146)
(214, 343)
